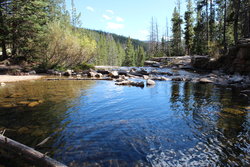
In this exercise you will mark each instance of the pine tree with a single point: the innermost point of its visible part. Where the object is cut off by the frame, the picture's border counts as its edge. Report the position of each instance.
(176, 29)
(200, 43)
(141, 56)
(130, 54)
(189, 30)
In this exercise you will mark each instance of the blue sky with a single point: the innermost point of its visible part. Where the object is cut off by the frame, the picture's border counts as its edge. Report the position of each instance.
(125, 17)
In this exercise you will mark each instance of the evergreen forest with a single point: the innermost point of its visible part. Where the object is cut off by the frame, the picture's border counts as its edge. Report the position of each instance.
(44, 33)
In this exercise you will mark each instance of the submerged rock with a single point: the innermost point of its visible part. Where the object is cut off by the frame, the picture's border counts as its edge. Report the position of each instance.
(150, 82)
(33, 104)
(233, 111)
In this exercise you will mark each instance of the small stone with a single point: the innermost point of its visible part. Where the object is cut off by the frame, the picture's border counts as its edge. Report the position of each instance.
(205, 80)
(145, 77)
(164, 79)
(150, 82)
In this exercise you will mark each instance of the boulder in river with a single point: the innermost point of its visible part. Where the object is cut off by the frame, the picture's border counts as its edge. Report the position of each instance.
(114, 74)
(92, 74)
(150, 82)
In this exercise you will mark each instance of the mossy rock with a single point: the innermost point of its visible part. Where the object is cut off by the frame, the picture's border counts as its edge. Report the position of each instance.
(233, 111)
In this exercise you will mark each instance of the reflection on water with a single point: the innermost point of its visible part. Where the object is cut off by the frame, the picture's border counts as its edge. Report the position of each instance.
(98, 123)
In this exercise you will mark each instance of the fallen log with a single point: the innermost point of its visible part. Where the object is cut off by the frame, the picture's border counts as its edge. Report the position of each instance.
(33, 156)
(79, 79)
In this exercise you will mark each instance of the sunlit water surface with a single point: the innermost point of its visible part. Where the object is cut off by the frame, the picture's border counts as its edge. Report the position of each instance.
(96, 123)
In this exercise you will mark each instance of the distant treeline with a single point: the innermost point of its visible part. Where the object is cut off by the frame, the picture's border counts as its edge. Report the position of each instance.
(44, 33)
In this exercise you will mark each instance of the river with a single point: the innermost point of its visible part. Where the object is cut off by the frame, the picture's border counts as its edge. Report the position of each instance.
(97, 123)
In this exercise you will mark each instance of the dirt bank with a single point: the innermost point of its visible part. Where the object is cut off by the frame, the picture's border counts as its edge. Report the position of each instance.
(11, 78)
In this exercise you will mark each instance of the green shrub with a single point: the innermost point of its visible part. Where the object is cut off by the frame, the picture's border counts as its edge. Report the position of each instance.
(83, 66)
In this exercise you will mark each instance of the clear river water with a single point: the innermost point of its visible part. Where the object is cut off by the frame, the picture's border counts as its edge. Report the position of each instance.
(96, 123)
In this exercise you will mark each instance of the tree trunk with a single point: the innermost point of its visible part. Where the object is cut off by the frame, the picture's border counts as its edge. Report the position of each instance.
(224, 27)
(28, 153)
(236, 19)
(3, 34)
(207, 17)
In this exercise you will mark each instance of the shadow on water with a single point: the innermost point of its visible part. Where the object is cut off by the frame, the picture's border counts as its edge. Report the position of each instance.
(98, 123)
(32, 124)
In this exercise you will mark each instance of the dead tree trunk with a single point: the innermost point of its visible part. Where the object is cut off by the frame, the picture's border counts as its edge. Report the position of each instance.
(28, 153)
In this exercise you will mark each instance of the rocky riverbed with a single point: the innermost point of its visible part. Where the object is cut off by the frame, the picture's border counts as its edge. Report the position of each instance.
(136, 76)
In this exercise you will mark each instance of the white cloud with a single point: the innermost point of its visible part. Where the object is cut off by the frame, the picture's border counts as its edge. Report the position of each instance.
(89, 8)
(119, 19)
(110, 11)
(106, 17)
(114, 26)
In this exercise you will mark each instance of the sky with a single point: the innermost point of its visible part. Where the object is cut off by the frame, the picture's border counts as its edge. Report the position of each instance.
(130, 18)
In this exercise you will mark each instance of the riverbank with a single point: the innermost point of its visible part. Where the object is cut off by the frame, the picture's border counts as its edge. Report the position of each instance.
(12, 78)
